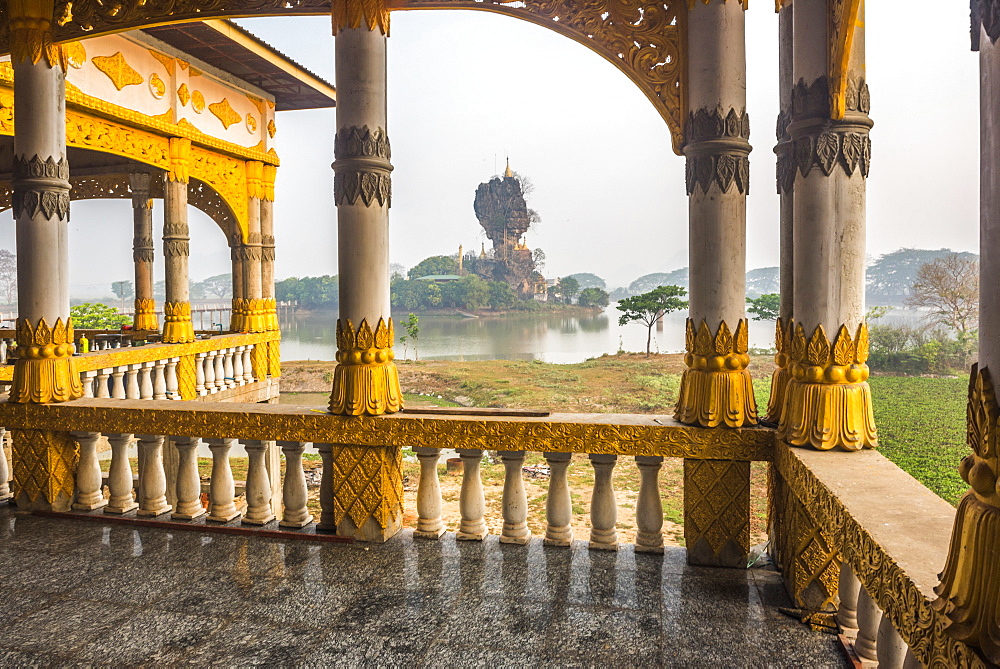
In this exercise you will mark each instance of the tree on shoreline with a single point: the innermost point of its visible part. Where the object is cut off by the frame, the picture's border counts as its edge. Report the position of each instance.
(767, 307)
(647, 308)
(949, 287)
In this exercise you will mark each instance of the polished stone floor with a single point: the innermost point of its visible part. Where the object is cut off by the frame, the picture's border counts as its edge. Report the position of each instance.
(82, 593)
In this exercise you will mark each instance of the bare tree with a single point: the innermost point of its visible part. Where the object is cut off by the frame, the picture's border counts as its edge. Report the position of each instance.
(949, 288)
(8, 275)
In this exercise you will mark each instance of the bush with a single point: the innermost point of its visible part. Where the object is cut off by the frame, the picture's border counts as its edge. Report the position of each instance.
(907, 349)
(97, 316)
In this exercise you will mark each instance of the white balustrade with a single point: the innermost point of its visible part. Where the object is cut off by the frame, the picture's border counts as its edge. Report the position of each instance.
(118, 383)
(5, 493)
(172, 388)
(159, 372)
(132, 382)
(472, 500)
(295, 495)
(228, 367)
(222, 491)
(848, 589)
(429, 523)
(103, 390)
(248, 364)
(120, 476)
(152, 478)
(649, 506)
(188, 488)
(890, 647)
(146, 381)
(559, 503)
(199, 374)
(603, 505)
(869, 619)
(238, 366)
(88, 383)
(89, 493)
(514, 502)
(258, 485)
(326, 515)
(210, 372)
(220, 371)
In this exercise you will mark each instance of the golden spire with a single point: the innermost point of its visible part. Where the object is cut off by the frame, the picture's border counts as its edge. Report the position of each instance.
(507, 173)
(482, 253)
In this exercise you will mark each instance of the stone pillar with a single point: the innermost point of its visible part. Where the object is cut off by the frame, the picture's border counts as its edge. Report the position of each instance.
(254, 320)
(716, 389)
(142, 251)
(177, 326)
(828, 403)
(43, 461)
(970, 583)
(785, 179)
(365, 380)
(270, 172)
(236, 315)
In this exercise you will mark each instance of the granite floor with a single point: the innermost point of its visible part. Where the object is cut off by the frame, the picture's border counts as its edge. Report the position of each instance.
(82, 593)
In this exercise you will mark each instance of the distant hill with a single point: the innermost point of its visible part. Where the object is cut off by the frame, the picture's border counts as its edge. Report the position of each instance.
(588, 280)
(762, 281)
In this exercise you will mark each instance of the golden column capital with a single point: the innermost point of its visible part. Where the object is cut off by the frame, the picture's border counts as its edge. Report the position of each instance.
(255, 179)
(355, 13)
(365, 381)
(179, 149)
(269, 176)
(716, 388)
(31, 33)
(828, 403)
(45, 370)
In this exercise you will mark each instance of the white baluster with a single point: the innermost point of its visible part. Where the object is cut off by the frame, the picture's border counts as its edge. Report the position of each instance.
(228, 367)
(559, 502)
(160, 380)
(429, 524)
(173, 391)
(89, 495)
(188, 480)
(152, 478)
(238, 366)
(210, 372)
(220, 371)
(890, 647)
(326, 516)
(869, 618)
(132, 382)
(515, 500)
(120, 476)
(118, 383)
(88, 383)
(295, 495)
(649, 506)
(5, 493)
(258, 487)
(3, 351)
(222, 491)
(848, 589)
(472, 501)
(603, 506)
(102, 384)
(199, 374)
(146, 381)
(248, 364)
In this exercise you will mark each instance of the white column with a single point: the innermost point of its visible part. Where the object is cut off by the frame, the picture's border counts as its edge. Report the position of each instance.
(210, 372)
(220, 372)
(188, 481)
(515, 500)
(649, 506)
(120, 482)
(153, 487)
(559, 502)
(603, 505)
(869, 619)
(222, 491)
(228, 368)
(258, 488)
(248, 364)
(89, 495)
(294, 491)
(238, 366)
(429, 523)
(472, 500)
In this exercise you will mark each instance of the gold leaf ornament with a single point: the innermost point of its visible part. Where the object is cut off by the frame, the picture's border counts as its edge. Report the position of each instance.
(198, 102)
(843, 347)
(723, 340)
(76, 54)
(157, 87)
(117, 69)
(703, 340)
(224, 111)
(818, 351)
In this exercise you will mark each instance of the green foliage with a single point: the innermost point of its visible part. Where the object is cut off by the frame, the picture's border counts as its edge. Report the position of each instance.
(97, 316)
(122, 289)
(220, 285)
(593, 297)
(469, 292)
(412, 327)
(908, 349)
(892, 276)
(566, 289)
(434, 265)
(311, 292)
(415, 294)
(647, 308)
(502, 296)
(767, 307)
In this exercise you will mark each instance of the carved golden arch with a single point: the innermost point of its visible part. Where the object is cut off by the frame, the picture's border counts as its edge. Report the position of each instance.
(645, 39)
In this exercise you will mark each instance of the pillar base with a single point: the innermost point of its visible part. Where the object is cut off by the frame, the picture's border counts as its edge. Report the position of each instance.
(91, 507)
(779, 391)
(44, 463)
(274, 358)
(558, 536)
(254, 316)
(258, 521)
(121, 510)
(471, 536)
(236, 315)
(145, 314)
(178, 328)
(649, 543)
(520, 540)
(717, 512)
(367, 491)
(151, 513)
(360, 390)
(223, 519)
(425, 534)
(716, 389)
(828, 415)
(45, 371)
(188, 516)
(297, 524)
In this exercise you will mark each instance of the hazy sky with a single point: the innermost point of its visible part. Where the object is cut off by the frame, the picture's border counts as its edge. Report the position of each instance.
(468, 88)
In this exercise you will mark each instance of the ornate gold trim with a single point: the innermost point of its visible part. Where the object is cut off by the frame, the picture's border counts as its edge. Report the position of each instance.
(365, 381)
(828, 402)
(117, 69)
(177, 325)
(843, 19)
(236, 315)
(255, 179)
(180, 159)
(717, 511)
(45, 370)
(183, 94)
(169, 62)
(367, 484)
(31, 33)
(224, 111)
(781, 376)
(716, 389)
(268, 177)
(44, 469)
(145, 314)
(76, 54)
(187, 377)
(274, 358)
(353, 13)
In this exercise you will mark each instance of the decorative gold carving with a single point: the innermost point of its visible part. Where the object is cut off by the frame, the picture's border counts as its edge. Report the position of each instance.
(970, 583)
(251, 123)
(269, 176)
(258, 103)
(45, 370)
(30, 37)
(158, 89)
(253, 315)
(273, 358)
(187, 377)
(258, 362)
(76, 54)
(44, 469)
(177, 325)
(169, 62)
(183, 94)
(228, 177)
(781, 376)
(180, 159)
(842, 19)
(828, 402)
(355, 13)
(900, 599)
(224, 111)
(118, 70)
(89, 132)
(272, 129)
(367, 484)
(145, 314)
(560, 433)
(236, 314)
(717, 508)
(198, 102)
(121, 357)
(365, 381)
(271, 308)
(41, 187)
(255, 176)
(6, 111)
(716, 388)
